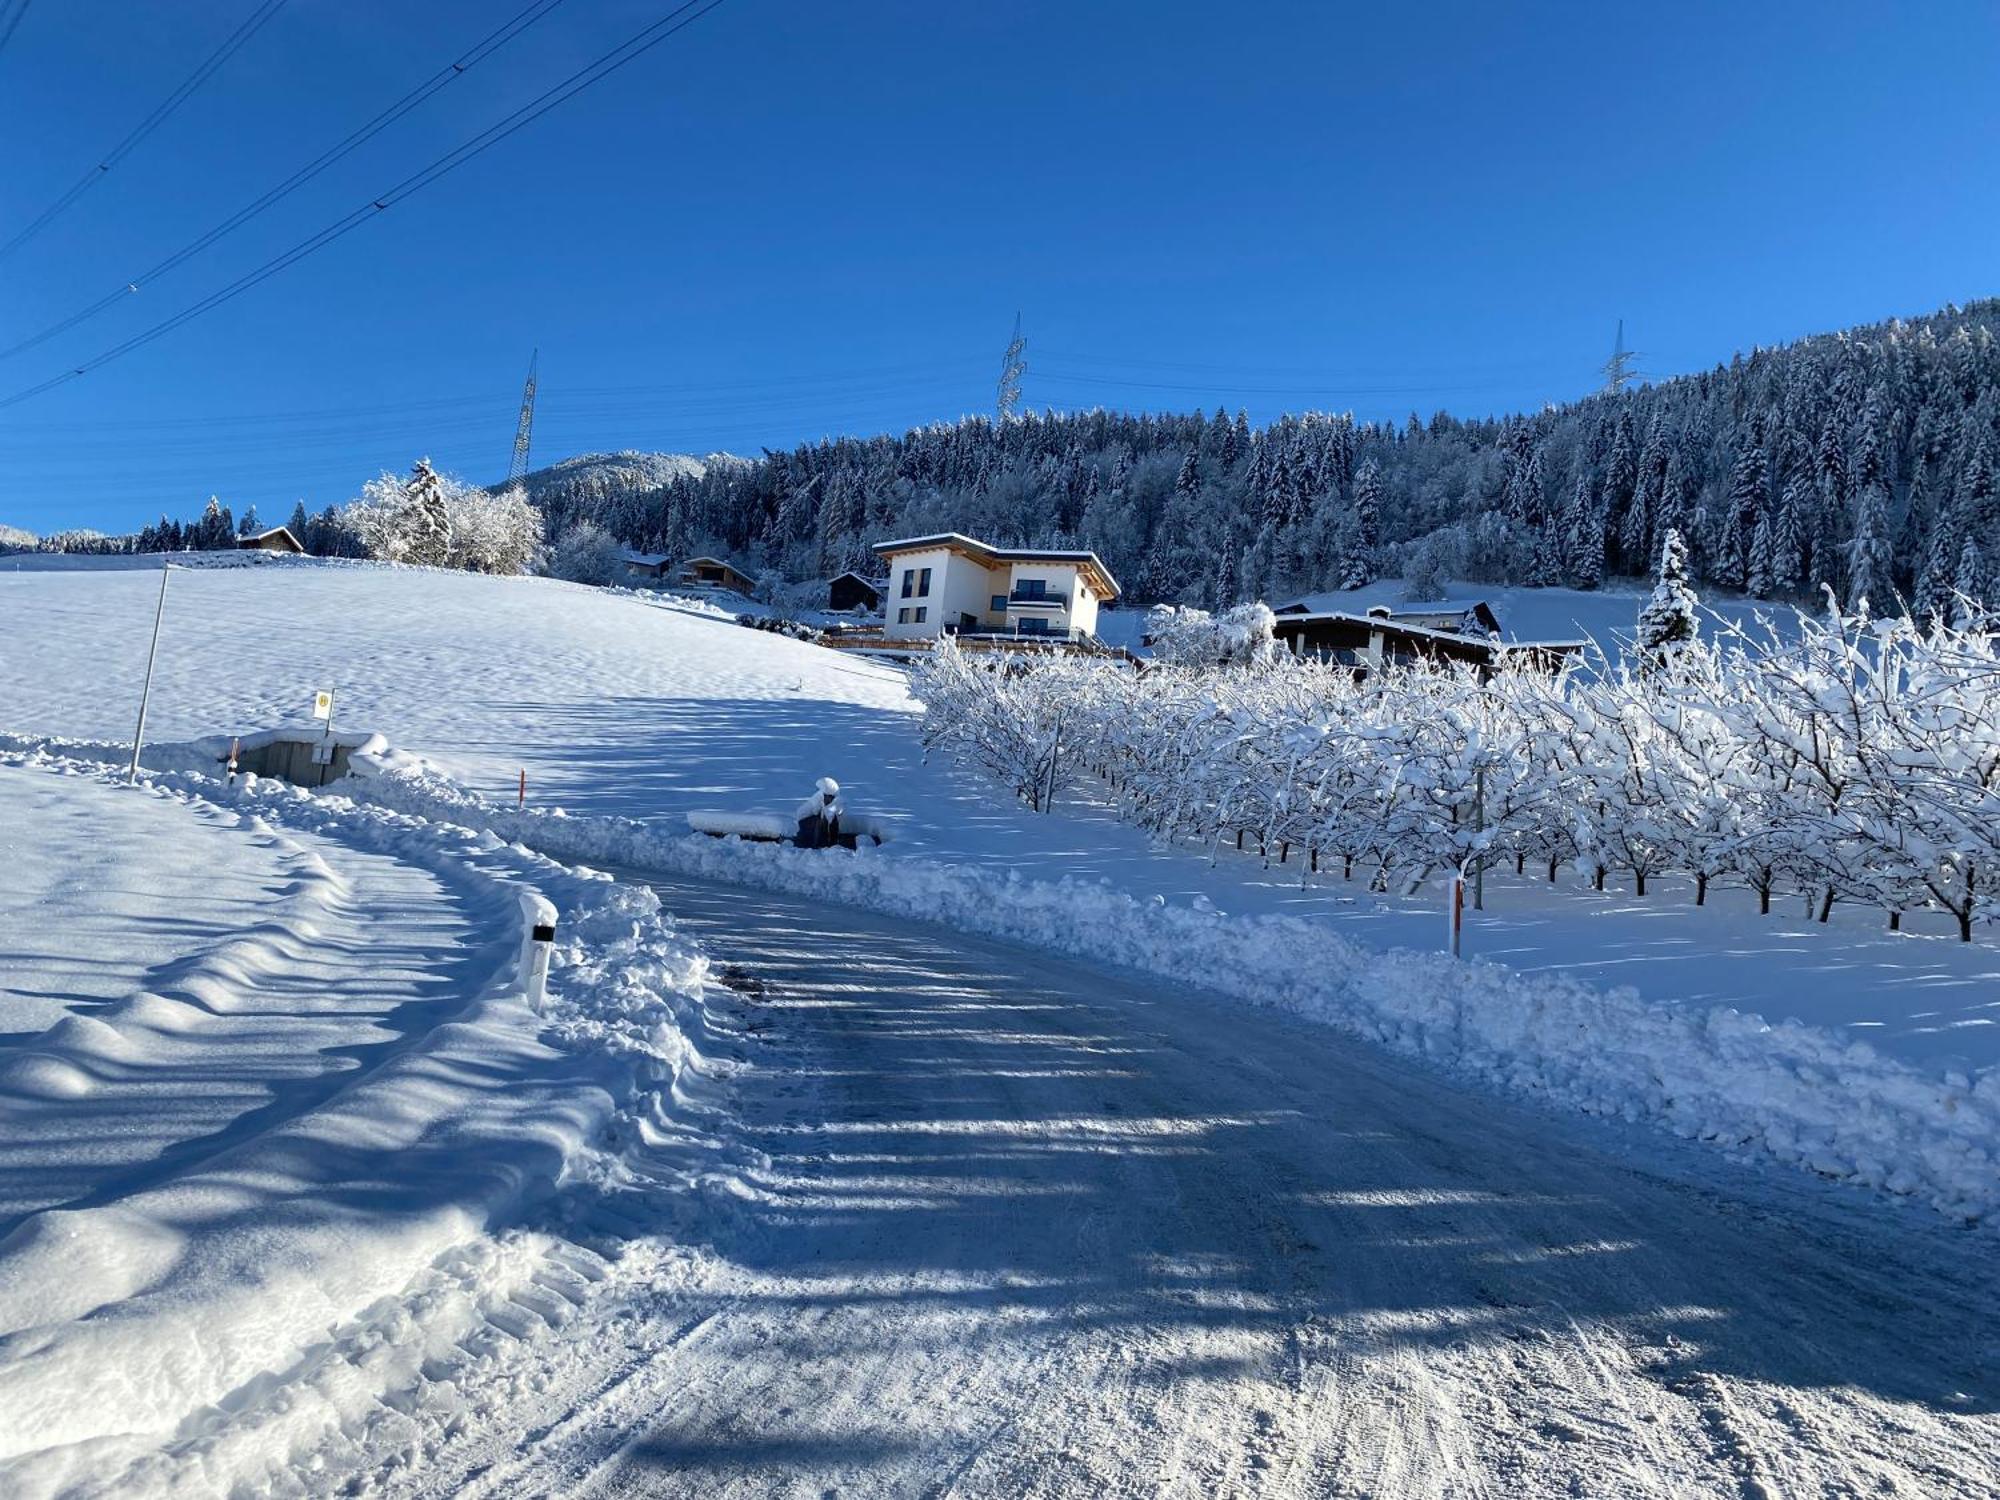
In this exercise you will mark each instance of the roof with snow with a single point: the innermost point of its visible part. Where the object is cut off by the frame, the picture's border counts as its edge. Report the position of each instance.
(274, 539)
(988, 554)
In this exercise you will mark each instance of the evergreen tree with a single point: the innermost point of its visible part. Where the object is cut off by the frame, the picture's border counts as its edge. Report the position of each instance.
(1869, 559)
(425, 522)
(1969, 587)
(248, 526)
(1668, 622)
(299, 525)
(1368, 508)
(1583, 535)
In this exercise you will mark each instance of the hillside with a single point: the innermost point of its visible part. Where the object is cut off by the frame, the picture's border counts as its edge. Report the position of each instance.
(1861, 460)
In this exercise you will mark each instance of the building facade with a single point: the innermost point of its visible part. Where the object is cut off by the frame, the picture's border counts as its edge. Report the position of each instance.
(948, 584)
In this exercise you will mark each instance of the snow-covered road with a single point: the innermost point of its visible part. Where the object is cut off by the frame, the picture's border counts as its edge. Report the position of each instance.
(1015, 1226)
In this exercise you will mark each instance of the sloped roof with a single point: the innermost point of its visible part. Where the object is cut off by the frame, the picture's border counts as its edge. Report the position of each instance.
(986, 552)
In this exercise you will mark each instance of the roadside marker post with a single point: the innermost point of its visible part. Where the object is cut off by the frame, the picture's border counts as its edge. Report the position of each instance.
(235, 745)
(521, 804)
(539, 915)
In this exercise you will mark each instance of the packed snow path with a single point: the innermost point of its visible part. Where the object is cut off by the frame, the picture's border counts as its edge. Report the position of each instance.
(1031, 1229)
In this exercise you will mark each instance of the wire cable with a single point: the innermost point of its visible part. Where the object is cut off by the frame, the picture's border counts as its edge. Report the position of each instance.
(11, 12)
(676, 20)
(147, 126)
(359, 137)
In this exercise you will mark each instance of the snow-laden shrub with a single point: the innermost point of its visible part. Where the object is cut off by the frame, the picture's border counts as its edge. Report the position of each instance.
(587, 553)
(1243, 636)
(435, 520)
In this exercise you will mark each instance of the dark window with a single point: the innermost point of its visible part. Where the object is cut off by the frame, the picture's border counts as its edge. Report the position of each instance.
(1034, 625)
(999, 604)
(921, 613)
(924, 583)
(1032, 588)
(909, 582)
(902, 617)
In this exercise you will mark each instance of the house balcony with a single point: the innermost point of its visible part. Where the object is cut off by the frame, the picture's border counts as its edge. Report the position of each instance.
(1018, 600)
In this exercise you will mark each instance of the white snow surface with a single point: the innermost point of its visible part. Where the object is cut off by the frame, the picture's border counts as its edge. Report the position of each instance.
(880, 1207)
(280, 1088)
(628, 714)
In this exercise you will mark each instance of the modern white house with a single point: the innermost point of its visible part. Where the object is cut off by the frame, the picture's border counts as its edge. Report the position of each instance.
(948, 584)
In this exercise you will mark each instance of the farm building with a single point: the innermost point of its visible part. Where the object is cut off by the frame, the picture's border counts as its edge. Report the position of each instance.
(713, 573)
(277, 539)
(850, 591)
(1452, 631)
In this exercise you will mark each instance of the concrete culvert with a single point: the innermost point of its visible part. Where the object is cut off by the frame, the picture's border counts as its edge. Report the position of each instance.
(304, 757)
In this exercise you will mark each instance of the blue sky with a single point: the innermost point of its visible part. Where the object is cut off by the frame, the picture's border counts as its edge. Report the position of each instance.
(796, 220)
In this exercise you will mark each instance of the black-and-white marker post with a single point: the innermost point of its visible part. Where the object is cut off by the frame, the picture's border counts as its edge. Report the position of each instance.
(539, 920)
(323, 709)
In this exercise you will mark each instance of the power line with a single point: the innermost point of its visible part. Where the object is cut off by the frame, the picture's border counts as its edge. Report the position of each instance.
(676, 20)
(147, 126)
(357, 138)
(11, 12)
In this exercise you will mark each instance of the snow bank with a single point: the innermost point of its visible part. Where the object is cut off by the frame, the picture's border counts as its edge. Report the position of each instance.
(1794, 1092)
(122, 1320)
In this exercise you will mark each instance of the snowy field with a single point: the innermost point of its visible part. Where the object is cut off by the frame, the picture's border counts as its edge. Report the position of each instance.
(616, 704)
(305, 1193)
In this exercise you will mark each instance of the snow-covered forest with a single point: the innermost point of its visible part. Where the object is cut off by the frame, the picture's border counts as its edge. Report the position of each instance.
(1849, 759)
(1863, 460)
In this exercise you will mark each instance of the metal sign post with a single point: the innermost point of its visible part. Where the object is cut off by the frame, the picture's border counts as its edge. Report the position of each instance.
(323, 709)
(152, 654)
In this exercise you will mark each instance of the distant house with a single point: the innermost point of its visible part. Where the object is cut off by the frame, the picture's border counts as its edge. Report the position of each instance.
(277, 539)
(713, 573)
(948, 584)
(647, 564)
(1449, 631)
(850, 591)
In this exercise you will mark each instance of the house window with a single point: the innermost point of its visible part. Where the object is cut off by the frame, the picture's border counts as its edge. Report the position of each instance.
(921, 614)
(902, 617)
(1034, 625)
(1031, 588)
(909, 583)
(999, 604)
(924, 583)
(916, 582)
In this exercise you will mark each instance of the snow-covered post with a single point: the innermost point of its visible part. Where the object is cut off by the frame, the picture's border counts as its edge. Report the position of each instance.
(539, 937)
(1455, 907)
(235, 744)
(152, 652)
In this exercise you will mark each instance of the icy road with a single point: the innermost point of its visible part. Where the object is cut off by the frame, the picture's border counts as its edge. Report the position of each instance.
(1031, 1229)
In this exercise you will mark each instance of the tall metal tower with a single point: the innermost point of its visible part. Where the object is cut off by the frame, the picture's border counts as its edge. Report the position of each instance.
(1619, 370)
(1013, 365)
(525, 430)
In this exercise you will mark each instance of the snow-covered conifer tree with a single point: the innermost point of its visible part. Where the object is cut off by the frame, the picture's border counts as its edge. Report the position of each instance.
(1668, 621)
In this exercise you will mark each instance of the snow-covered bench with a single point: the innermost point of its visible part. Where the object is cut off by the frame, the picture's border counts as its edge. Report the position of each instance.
(819, 822)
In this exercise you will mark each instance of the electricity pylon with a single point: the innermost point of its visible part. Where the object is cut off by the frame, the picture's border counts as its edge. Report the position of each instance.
(1619, 370)
(526, 428)
(1013, 365)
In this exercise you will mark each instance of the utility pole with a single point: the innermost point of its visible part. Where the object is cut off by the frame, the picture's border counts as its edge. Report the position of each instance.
(526, 427)
(1013, 365)
(152, 653)
(1619, 370)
